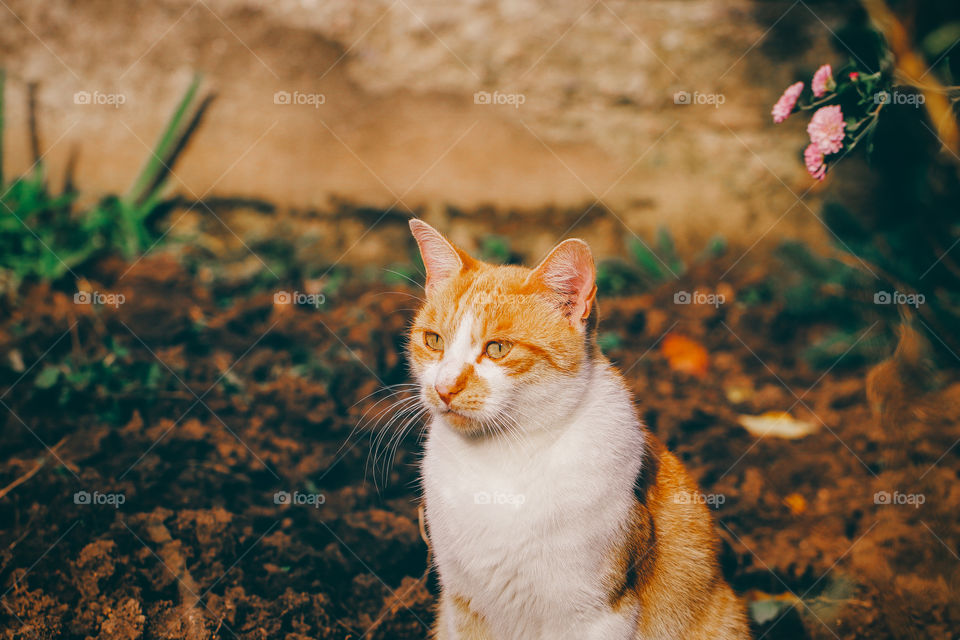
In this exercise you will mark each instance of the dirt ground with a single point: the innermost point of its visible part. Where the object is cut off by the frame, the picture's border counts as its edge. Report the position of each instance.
(227, 399)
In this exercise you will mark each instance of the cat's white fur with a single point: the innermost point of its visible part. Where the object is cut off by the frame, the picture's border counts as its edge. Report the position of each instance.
(522, 525)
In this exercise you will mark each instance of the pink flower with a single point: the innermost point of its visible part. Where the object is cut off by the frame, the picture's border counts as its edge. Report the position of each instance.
(822, 81)
(813, 158)
(826, 129)
(854, 76)
(787, 102)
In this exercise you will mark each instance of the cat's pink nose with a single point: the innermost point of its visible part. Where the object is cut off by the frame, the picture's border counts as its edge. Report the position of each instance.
(447, 390)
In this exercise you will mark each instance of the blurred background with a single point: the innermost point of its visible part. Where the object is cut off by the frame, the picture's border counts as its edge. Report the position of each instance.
(206, 275)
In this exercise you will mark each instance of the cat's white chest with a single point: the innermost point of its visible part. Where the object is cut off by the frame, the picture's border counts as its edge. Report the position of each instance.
(526, 538)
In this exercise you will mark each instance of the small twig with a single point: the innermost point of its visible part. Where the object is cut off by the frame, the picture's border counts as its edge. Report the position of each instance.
(13, 544)
(3, 87)
(423, 526)
(70, 171)
(75, 345)
(217, 630)
(29, 474)
(868, 125)
(10, 547)
(32, 126)
(829, 600)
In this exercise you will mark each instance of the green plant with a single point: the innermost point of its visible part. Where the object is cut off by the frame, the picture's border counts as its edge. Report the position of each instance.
(815, 290)
(609, 340)
(495, 248)
(38, 235)
(648, 267)
(42, 236)
(113, 382)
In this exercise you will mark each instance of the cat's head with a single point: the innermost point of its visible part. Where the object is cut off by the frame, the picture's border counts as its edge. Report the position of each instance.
(495, 347)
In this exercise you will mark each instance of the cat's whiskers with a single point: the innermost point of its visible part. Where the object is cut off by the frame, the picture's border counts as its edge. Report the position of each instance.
(396, 440)
(390, 433)
(498, 429)
(402, 434)
(392, 413)
(411, 410)
(393, 391)
(405, 277)
(514, 428)
(388, 387)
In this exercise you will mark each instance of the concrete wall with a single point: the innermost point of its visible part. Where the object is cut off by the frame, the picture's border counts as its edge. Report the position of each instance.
(399, 123)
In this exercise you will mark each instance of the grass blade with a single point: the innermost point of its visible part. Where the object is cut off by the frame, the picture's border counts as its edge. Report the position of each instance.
(156, 166)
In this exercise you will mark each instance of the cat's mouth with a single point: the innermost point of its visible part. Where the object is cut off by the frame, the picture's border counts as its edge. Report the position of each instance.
(459, 420)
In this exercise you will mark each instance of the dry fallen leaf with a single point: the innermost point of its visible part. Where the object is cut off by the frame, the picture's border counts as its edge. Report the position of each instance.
(685, 354)
(777, 423)
(737, 394)
(796, 503)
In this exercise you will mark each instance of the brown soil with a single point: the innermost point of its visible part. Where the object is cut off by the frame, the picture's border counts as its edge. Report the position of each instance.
(201, 549)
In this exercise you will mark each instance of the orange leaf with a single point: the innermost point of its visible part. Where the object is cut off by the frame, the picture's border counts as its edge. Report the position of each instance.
(685, 354)
(796, 503)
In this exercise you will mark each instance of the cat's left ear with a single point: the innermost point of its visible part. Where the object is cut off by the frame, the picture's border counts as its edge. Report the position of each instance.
(569, 272)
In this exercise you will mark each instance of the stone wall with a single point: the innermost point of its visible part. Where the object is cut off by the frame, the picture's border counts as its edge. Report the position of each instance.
(389, 112)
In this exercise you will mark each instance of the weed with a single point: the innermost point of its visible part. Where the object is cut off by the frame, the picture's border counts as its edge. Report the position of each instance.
(43, 237)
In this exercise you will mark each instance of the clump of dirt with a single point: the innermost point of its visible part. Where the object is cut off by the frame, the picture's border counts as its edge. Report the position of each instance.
(217, 474)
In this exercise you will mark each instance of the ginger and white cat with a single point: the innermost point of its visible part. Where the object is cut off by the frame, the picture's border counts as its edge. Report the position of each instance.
(552, 511)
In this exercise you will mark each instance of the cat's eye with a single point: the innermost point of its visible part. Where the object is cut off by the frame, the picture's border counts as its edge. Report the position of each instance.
(496, 349)
(433, 340)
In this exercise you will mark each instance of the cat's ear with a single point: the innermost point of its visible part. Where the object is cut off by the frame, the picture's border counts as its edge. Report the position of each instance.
(570, 273)
(441, 259)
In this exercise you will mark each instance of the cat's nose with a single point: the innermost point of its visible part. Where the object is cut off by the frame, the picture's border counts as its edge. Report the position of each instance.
(446, 391)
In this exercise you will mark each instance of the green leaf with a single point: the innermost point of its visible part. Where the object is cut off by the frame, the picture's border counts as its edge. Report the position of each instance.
(764, 611)
(495, 249)
(3, 84)
(47, 377)
(646, 259)
(155, 166)
(154, 376)
(609, 341)
(668, 251)
(941, 39)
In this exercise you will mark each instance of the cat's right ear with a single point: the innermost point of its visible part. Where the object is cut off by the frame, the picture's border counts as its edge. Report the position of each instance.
(441, 259)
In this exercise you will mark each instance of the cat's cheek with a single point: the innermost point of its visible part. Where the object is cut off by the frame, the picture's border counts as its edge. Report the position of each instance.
(424, 363)
(498, 383)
